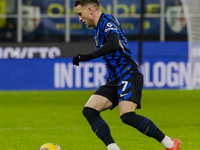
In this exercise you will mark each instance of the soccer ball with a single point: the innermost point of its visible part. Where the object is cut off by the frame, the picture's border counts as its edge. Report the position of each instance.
(50, 146)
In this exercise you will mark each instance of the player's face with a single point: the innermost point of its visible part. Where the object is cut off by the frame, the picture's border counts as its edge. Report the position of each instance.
(85, 15)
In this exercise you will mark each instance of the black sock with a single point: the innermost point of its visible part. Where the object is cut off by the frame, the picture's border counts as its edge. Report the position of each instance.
(98, 125)
(143, 124)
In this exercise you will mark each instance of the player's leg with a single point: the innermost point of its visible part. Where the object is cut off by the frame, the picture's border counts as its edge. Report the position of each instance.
(128, 104)
(145, 125)
(101, 100)
(99, 103)
(141, 123)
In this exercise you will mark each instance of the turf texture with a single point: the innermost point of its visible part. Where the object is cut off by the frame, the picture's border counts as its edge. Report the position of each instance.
(29, 119)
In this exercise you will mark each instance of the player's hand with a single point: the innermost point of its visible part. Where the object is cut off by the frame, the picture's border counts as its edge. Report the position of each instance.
(76, 59)
(81, 58)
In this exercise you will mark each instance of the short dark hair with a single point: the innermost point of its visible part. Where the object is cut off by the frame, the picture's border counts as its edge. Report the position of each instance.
(84, 2)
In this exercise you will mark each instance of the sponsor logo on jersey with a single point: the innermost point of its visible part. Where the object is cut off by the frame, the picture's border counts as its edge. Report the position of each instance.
(108, 29)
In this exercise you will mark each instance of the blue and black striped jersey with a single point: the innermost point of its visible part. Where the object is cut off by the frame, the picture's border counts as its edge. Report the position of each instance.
(118, 61)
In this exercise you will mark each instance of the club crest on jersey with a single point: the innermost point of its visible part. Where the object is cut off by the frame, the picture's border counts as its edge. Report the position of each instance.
(175, 18)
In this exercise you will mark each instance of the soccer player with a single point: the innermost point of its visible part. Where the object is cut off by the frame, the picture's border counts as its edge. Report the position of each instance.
(125, 81)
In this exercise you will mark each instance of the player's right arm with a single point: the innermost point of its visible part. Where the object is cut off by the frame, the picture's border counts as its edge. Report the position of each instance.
(111, 45)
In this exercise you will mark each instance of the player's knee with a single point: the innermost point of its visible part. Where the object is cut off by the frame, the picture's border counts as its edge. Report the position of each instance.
(126, 118)
(90, 112)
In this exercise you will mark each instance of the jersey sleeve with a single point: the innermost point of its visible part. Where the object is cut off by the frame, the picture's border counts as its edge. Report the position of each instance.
(110, 28)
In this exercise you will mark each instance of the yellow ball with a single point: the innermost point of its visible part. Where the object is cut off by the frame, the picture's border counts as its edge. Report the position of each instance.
(50, 146)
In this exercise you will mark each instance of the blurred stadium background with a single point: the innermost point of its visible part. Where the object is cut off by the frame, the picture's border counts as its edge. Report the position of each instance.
(39, 38)
(40, 88)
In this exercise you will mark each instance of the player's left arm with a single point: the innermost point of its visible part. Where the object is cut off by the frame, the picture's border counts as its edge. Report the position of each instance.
(111, 45)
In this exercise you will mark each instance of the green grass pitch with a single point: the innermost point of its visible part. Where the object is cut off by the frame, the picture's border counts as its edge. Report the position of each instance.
(30, 119)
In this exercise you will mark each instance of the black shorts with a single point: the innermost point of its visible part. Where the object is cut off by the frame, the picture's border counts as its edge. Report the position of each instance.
(129, 89)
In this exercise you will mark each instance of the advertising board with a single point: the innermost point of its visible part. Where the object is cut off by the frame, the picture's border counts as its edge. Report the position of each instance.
(165, 65)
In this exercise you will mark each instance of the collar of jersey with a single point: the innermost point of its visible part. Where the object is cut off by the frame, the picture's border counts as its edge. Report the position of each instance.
(100, 19)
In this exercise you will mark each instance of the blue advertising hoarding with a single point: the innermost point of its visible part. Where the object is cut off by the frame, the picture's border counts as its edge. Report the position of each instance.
(164, 66)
